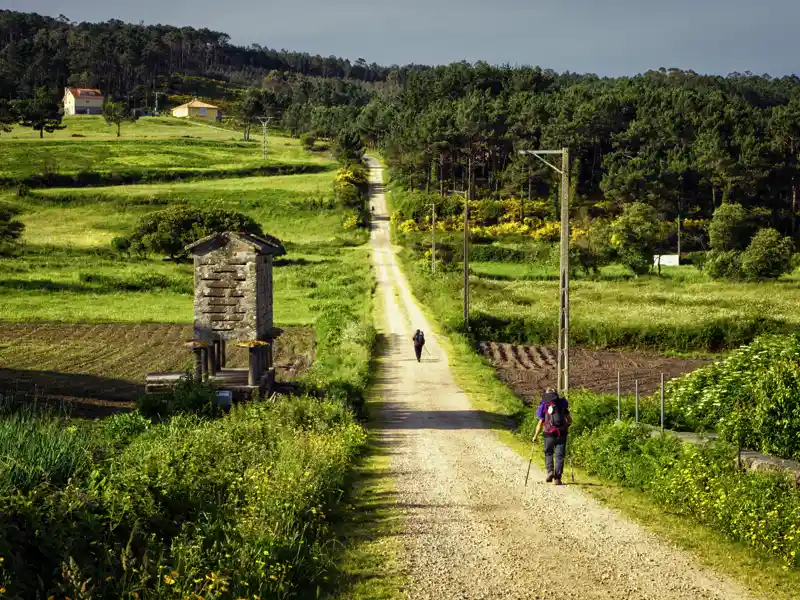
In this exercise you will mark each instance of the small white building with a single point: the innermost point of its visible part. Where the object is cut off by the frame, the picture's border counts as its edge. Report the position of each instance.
(667, 260)
(83, 101)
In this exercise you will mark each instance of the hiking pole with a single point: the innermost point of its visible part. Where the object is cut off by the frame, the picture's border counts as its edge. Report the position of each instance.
(428, 351)
(530, 461)
(571, 465)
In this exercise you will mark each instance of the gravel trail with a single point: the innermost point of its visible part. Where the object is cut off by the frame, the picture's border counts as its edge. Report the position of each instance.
(472, 530)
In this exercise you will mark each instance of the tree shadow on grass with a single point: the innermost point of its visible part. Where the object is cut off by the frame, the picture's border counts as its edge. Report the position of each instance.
(77, 394)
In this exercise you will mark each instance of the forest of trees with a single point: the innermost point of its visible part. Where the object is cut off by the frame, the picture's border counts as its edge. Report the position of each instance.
(133, 60)
(678, 141)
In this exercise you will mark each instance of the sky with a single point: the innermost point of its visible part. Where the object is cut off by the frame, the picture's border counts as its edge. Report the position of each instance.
(606, 37)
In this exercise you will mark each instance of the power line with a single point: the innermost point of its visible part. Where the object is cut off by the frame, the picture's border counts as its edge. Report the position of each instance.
(264, 124)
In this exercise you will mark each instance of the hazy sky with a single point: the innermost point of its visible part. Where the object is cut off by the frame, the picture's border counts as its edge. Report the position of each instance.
(607, 37)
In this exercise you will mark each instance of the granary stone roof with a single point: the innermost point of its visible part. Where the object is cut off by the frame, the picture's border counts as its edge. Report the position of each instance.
(262, 244)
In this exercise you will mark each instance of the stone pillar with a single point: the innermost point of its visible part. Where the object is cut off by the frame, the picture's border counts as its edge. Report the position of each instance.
(204, 362)
(212, 359)
(217, 355)
(254, 372)
(198, 363)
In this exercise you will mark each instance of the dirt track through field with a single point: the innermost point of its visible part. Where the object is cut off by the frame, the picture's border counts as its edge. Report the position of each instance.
(471, 530)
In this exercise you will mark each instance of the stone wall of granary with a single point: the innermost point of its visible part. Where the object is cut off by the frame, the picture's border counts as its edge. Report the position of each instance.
(225, 301)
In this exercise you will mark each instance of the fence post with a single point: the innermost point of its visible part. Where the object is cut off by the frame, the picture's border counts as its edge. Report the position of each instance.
(662, 403)
(619, 399)
(637, 401)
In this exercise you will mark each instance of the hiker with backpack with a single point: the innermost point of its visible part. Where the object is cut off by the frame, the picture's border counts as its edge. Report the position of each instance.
(554, 419)
(419, 342)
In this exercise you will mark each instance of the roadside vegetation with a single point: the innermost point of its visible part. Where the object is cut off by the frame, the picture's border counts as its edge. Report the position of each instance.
(176, 498)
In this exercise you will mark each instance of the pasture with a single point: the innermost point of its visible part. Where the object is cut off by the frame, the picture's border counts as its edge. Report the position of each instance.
(681, 311)
(151, 146)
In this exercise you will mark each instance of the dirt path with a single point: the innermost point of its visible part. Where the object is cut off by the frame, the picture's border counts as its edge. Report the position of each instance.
(472, 530)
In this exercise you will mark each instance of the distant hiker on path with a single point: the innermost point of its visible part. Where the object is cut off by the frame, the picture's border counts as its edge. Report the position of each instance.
(419, 342)
(554, 418)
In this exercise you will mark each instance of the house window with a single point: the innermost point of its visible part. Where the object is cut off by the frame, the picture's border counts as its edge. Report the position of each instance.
(203, 111)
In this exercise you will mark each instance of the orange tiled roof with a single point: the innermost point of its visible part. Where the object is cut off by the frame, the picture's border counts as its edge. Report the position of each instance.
(86, 92)
(197, 104)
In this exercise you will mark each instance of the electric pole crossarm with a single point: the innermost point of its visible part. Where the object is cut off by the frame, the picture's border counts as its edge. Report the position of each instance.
(537, 153)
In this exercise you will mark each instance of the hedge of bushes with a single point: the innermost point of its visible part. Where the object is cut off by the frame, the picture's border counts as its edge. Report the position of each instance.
(711, 336)
(751, 397)
(761, 510)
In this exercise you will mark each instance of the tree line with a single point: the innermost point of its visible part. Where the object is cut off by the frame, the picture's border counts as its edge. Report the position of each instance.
(680, 142)
(134, 61)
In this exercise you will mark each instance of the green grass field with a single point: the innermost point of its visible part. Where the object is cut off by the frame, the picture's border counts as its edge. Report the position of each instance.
(150, 146)
(67, 272)
(681, 311)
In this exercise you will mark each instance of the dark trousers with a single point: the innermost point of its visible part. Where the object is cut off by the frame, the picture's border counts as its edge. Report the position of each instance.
(557, 445)
(418, 350)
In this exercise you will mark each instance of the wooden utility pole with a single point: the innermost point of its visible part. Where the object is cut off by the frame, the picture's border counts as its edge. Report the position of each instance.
(466, 243)
(433, 237)
(563, 327)
(563, 291)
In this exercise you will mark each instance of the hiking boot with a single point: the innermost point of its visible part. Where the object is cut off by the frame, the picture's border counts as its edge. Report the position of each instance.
(558, 481)
(549, 478)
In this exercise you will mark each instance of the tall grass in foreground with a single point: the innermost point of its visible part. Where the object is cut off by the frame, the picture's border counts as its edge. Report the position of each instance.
(37, 449)
(227, 508)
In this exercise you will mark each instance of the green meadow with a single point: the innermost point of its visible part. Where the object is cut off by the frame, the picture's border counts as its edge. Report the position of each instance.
(66, 270)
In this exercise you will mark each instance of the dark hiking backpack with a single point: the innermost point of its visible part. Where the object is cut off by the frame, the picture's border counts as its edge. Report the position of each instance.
(419, 339)
(555, 421)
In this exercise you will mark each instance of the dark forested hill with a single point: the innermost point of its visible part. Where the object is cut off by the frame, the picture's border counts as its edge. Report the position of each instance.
(123, 59)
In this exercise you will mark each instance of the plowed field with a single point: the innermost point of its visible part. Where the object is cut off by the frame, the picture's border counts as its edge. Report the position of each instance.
(100, 368)
(530, 369)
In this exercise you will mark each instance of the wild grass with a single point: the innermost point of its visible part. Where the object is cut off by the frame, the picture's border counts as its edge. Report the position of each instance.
(680, 311)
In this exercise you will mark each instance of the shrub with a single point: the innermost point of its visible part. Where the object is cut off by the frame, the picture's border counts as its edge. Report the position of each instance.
(307, 141)
(187, 396)
(636, 234)
(751, 397)
(10, 228)
(761, 510)
(591, 247)
(348, 147)
(723, 264)
(169, 231)
(730, 228)
(768, 256)
(121, 244)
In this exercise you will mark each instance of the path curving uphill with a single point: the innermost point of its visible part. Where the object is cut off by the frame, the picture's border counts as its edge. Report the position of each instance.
(471, 529)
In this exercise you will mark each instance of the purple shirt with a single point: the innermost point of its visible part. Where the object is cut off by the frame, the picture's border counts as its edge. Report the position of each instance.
(542, 410)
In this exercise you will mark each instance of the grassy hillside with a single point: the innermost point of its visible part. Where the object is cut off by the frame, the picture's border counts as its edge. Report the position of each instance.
(150, 146)
(66, 270)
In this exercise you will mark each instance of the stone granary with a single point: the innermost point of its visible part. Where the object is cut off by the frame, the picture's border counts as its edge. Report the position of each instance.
(233, 302)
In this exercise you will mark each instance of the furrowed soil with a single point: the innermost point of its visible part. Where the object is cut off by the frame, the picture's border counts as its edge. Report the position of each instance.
(99, 369)
(528, 370)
